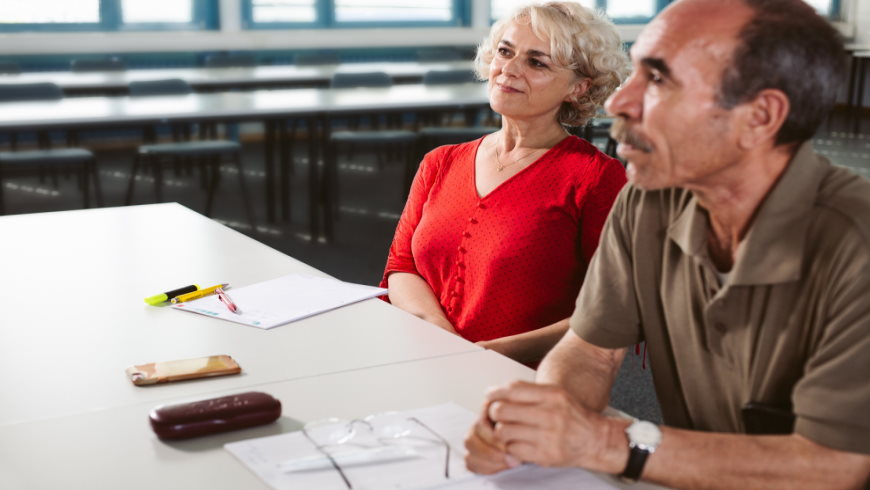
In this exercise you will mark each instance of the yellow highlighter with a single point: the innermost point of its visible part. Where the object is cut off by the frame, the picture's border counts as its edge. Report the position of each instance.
(196, 294)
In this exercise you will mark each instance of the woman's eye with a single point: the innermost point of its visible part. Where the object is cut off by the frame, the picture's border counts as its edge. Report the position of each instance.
(536, 63)
(504, 51)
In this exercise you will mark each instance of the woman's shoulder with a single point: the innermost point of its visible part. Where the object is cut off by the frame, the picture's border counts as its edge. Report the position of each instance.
(446, 156)
(575, 153)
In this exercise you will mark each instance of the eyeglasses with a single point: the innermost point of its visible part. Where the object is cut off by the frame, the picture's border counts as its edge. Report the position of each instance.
(386, 436)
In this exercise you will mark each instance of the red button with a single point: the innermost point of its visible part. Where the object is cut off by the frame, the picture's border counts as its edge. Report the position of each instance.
(482, 206)
(466, 234)
(462, 250)
(472, 221)
(460, 265)
(460, 279)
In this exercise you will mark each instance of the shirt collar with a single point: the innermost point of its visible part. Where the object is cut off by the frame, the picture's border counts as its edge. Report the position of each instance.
(772, 251)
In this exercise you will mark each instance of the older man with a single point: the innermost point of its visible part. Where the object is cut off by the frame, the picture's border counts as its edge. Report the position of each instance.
(737, 253)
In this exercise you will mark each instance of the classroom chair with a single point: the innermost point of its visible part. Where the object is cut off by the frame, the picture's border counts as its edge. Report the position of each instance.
(448, 77)
(45, 159)
(89, 65)
(384, 143)
(204, 153)
(9, 68)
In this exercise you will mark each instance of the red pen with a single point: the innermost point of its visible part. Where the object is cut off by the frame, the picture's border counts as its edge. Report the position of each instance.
(222, 296)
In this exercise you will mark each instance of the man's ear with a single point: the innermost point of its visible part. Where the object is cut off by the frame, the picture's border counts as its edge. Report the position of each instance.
(762, 118)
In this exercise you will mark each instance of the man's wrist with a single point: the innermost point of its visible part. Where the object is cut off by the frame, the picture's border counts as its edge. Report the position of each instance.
(611, 457)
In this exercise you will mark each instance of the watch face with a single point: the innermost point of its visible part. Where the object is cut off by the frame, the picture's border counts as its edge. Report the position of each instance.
(645, 435)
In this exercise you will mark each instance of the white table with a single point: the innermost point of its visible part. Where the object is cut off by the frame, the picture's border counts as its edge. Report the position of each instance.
(113, 82)
(74, 317)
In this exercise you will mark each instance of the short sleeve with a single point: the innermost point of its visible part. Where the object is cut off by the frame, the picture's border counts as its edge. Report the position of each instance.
(596, 204)
(606, 313)
(832, 398)
(400, 258)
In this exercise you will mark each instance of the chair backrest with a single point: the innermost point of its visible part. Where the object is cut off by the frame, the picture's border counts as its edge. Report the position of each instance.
(440, 54)
(30, 91)
(442, 77)
(172, 86)
(9, 68)
(362, 79)
(112, 64)
(230, 61)
(308, 59)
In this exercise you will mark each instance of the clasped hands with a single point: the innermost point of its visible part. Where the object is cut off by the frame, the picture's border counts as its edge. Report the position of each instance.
(532, 423)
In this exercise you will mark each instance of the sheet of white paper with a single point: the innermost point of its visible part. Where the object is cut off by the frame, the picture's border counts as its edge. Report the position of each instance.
(283, 300)
(264, 457)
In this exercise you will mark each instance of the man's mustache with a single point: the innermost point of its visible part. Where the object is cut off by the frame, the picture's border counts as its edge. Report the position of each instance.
(621, 132)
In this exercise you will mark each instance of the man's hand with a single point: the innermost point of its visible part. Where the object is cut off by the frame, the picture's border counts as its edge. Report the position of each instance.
(541, 424)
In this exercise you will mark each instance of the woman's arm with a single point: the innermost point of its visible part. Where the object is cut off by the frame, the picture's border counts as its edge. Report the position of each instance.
(412, 293)
(528, 347)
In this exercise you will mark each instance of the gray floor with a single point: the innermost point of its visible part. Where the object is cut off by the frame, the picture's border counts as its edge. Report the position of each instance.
(370, 206)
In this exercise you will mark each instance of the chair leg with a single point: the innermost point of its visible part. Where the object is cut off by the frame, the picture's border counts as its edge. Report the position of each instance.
(327, 189)
(132, 181)
(83, 176)
(2, 199)
(157, 164)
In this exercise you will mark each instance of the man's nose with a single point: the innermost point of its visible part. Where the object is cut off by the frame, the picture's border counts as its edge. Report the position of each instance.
(627, 101)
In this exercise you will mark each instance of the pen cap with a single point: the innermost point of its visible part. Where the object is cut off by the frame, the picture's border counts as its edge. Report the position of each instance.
(160, 298)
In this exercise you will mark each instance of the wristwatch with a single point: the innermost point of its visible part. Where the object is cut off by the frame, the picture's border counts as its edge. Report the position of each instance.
(643, 439)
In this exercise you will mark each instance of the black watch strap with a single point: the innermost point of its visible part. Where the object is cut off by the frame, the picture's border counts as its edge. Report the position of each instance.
(634, 467)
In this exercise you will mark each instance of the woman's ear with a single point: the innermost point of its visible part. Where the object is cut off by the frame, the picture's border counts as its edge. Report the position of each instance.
(581, 86)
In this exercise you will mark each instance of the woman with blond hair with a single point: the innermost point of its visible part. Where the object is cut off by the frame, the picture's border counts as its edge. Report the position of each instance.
(495, 238)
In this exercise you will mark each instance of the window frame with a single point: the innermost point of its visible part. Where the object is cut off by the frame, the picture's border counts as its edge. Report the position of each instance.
(205, 16)
(325, 18)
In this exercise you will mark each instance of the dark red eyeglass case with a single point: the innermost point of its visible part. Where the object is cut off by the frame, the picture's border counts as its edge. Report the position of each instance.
(203, 417)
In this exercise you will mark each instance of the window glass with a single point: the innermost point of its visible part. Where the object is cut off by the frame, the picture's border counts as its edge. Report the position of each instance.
(822, 6)
(501, 8)
(283, 10)
(49, 11)
(393, 11)
(631, 8)
(157, 11)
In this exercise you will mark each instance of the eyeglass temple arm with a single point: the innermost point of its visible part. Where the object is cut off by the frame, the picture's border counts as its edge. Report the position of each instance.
(328, 456)
(443, 441)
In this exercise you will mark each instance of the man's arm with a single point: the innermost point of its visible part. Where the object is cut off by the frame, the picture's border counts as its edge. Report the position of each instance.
(545, 425)
(585, 370)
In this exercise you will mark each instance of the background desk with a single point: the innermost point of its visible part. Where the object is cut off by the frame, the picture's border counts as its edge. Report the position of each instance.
(211, 79)
(268, 106)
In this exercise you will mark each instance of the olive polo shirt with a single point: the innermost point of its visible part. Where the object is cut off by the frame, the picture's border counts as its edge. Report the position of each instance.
(790, 327)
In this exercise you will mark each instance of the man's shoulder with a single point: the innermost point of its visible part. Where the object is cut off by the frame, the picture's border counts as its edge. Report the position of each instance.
(844, 197)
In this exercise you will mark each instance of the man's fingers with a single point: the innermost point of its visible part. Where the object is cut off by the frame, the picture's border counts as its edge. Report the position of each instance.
(526, 392)
(482, 457)
(527, 414)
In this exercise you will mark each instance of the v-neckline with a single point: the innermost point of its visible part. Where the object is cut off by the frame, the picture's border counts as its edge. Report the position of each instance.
(512, 177)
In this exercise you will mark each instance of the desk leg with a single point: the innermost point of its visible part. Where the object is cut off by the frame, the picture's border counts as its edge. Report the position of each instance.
(269, 154)
(286, 137)
(315, 144)
(859, 95)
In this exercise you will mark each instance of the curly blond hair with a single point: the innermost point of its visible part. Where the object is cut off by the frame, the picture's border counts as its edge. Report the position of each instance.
(581, 40)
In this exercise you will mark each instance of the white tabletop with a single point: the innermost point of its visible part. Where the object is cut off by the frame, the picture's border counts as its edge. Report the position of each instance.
(226, 77)
(77, 112)
(74, 317)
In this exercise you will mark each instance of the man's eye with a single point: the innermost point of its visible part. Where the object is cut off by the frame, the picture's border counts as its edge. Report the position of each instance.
(655, 77)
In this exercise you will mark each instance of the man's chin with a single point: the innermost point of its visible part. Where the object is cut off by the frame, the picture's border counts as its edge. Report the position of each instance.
(641, 180)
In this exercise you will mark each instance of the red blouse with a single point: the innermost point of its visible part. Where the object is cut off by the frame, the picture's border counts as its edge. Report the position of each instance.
(513, 260)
